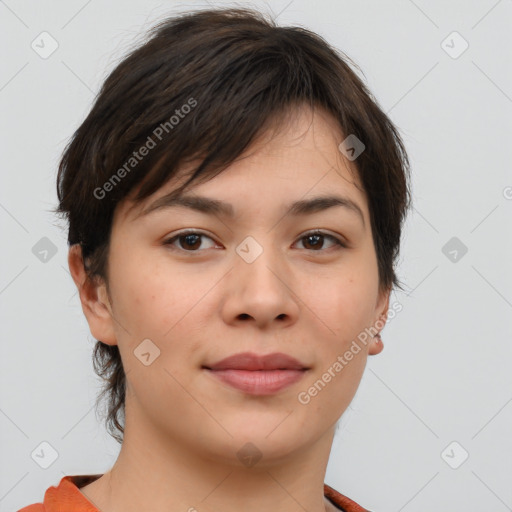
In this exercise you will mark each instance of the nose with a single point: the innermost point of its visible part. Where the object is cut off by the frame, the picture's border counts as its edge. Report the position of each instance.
(260, 289)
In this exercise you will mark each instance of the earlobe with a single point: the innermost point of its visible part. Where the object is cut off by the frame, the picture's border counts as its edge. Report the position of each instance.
(376, 345)
(93, 297)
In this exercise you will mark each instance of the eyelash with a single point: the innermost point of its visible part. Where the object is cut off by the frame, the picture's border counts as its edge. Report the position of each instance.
(337, 241)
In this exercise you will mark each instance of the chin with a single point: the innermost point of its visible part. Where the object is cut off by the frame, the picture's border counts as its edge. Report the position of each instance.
(258, 443)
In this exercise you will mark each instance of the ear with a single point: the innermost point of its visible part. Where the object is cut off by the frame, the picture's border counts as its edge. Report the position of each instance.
(94, 298)
(379, 321)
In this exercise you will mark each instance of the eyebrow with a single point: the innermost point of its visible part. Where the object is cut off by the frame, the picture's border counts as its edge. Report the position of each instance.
(211, 206)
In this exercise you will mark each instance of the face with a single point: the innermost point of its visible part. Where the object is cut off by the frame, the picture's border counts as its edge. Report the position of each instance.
(255, 281)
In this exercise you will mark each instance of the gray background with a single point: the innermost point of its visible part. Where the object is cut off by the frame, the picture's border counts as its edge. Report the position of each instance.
(445, 372)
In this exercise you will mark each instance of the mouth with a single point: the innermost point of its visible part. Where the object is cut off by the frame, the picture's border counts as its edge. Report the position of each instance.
(258, 382)
(258, 375)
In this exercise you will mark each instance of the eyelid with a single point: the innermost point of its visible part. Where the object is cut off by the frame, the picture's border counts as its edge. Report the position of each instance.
(340, 242)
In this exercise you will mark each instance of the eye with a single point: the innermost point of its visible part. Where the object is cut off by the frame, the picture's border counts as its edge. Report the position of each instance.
(315, 239)
(190, 241)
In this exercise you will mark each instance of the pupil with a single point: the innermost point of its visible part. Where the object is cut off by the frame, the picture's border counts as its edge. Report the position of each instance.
(189, 239)
(314, 237)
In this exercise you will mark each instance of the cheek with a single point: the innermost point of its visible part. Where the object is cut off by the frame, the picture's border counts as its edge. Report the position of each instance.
(343, 306)
(156, 302)
(151, 295)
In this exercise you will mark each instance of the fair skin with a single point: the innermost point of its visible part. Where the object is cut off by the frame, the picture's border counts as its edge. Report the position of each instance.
(198, 301)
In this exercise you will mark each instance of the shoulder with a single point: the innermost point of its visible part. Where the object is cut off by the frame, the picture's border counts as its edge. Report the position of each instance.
(65, 496)
(342, 502)
(67, 493)
(36, 507)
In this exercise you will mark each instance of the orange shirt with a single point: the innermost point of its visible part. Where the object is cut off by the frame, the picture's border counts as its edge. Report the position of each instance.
(66, 497)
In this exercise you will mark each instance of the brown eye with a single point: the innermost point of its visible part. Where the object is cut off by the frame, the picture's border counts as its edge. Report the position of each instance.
(189, 241)
(315, 240)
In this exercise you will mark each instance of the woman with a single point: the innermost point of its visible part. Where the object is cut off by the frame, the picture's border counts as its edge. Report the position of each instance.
(235, 201)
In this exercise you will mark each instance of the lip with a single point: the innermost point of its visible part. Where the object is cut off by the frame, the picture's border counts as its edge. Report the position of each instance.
(258, 374)
(251, 361)
(258, 382)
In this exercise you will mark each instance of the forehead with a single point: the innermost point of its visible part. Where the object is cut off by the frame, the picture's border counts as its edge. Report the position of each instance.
(297, 153)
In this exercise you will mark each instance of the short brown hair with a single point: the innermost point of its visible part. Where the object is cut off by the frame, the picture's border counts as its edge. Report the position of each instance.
(236, 71)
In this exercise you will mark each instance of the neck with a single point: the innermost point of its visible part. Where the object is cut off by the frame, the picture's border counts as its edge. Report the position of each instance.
(157, 474)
